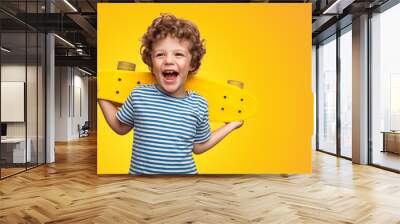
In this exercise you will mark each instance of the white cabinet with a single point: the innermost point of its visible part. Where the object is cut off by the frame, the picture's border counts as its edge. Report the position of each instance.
(18, 149)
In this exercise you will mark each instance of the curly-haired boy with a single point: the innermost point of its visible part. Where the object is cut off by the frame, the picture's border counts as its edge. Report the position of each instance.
(169, 122)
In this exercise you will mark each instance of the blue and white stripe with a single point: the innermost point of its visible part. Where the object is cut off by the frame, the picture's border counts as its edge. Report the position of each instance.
(165, 129)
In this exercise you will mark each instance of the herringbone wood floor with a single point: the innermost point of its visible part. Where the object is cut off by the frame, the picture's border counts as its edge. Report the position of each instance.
(69, 191)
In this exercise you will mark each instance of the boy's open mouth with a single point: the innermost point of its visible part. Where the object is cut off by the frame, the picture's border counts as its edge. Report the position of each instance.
(170, 75)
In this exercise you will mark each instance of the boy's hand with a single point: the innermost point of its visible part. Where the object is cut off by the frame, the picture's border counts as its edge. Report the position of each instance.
(217, 136)
(235, 124)
(110, 110)
(112, 102)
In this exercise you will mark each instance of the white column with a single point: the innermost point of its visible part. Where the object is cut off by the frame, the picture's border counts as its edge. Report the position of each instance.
(50, 92)
(360, 89)
(50, 100)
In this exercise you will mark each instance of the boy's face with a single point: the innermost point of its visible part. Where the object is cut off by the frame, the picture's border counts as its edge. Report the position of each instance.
(171, 64)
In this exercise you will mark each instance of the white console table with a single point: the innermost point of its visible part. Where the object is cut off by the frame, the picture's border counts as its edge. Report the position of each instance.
(18, 149)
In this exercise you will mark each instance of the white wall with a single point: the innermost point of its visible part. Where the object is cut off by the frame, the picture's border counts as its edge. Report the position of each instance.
(80, 100)
(71, 102)
(61, 103)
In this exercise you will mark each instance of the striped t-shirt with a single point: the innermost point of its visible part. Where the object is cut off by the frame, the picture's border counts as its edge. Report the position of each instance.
(165, 129)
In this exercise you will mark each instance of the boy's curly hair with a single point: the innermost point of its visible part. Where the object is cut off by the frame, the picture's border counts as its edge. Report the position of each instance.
(168, 24)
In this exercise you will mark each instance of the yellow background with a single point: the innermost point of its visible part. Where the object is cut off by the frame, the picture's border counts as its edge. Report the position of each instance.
(266, 46)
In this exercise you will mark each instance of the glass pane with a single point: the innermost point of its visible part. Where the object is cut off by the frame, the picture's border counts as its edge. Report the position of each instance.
(346, 94)
(31, 97)
(327, 96)
(23, 84)
(32, 84)
(41, 98)
(13, 85)
(386, 89)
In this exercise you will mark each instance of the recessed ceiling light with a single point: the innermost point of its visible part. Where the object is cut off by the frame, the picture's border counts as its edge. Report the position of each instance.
(71, 6)
(64, 40)
(5, 50)
(86, 72)
(337, 7)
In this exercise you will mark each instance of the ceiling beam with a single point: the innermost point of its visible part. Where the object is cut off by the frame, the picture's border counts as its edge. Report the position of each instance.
(84, 24)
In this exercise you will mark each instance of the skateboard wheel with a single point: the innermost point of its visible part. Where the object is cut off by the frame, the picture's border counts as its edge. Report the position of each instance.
(123, 65)
(236, 83)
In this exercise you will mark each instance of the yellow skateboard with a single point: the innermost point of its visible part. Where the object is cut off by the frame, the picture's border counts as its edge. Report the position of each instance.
(226, 102)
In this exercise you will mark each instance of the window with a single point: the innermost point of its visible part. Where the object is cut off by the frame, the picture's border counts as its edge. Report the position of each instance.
(327, 95)
(346, 93)
(385, 88)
